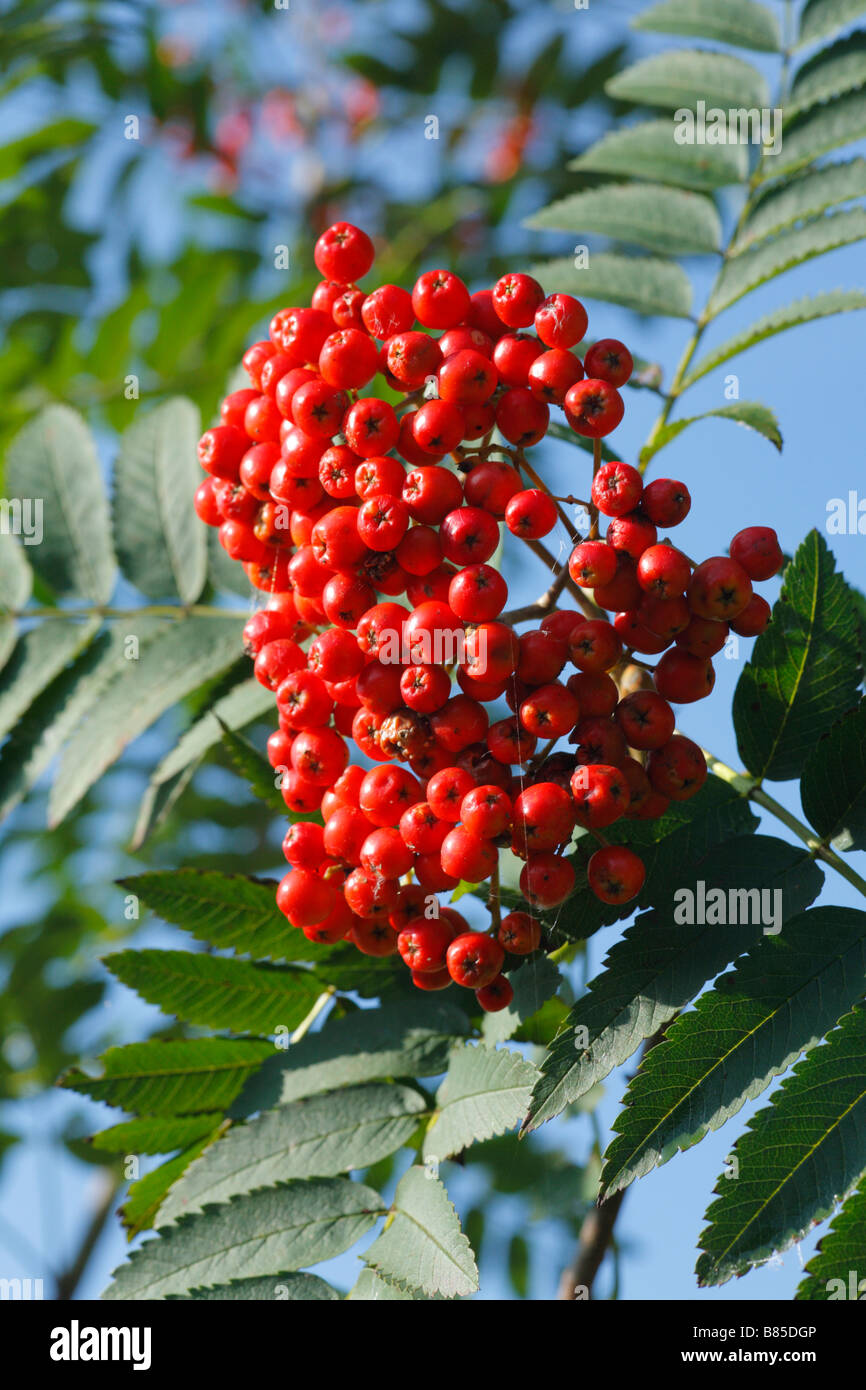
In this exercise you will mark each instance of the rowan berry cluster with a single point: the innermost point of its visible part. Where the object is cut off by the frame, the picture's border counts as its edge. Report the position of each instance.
(309, 487)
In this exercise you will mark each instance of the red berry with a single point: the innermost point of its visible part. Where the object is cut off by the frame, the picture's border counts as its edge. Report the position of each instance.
(592, 563)
(754, 617)
(348, 359)
(491, 485)
(519, 933)
(437, 427)
(601, 795)
(663, 571)
(552, 374)
(646, 719)
(594, 646)
(467, 378)
(757, 549)
(513, 356)
(683, 678)
(477, 593)
(466, 856)
(423, 945)
(468, 535)
(593, 408)
(486, 811)
(530, 514)
(609, 360)
(543, 818)
(411, 357)
(720, 588)
(388, 310)
(666, 502)
(678, 769)
(440, 299)
(616, 874)
(495, 996)
(343, 253)
(616, 489)
(551, 711)
(546, 879)
(560, 321)
(521, 417)
(516, 298)
(474, 960)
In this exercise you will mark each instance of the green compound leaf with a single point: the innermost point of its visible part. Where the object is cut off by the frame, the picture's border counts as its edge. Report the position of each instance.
(818, 306)
(485, 1092)
(264, 1232)
(642, 283)
(217, 992)
(318, 1137)
(780, 1000)
(797, 1158)
(805, 668)
(752, 414)
(228, 910)
(53, 459)
(155, 1134)
(679, 78)
(649, 151)
(817, 131)
(837, 1271)
(172, 1078)
(742, 23)
(422, 1245)
(282, 1288)
(804, 195)
(840, 68)
(160, 545)
(660, 965)
(833, 786)
(406, 1039)
(170, 665)
(821, 18)
(145, 1197)
(753, 268)
(669, 221)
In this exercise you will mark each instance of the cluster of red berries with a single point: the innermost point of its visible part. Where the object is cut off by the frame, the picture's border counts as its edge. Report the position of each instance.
(309, 488)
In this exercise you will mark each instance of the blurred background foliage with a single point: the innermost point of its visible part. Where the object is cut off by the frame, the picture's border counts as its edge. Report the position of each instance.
(160, 163)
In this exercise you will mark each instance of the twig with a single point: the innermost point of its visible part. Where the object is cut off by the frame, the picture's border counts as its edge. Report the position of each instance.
(69, 1278)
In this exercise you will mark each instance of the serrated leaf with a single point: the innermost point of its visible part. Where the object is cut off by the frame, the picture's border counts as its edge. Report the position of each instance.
(422, 1245)
(816, 132)
(53, 459)
(248, 701)
(259, 775)
(319, 1137)
(670, 221)
(833, 786)
(265, 1232)
(840, 68)
(752, 414)
(807, 310)
(660, 965)
(533, 984)
(407, 1039)
(370, 1287)
(804, 195)
(649, 151)
(43, 729)
(228, 910)
(160, 543)
(485, 1092)
(155, 1134)
(679, 78)
(821, 18)
(283, 1288)
(804, 670)
(146, 1195)
(172, 1078)
(779, 1001)
(16, 583)
(642, 283)
(40, 656)
(797, 1158)
(742, 23)
(157, 804)
(189, 652)
(746, 272)
(216, 992)
(836, 1271)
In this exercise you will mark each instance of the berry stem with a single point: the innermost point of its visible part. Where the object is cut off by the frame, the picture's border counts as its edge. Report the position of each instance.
(493, 903)
(522, 462)
(593, 510)
(751, 788)
(320, 1005)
